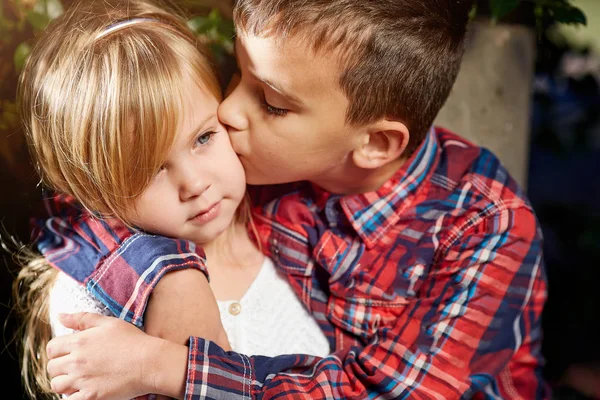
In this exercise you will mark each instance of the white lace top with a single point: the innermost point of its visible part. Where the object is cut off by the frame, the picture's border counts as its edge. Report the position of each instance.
(268, 320)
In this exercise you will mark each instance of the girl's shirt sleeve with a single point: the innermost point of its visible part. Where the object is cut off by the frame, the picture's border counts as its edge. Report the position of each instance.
(118, 265)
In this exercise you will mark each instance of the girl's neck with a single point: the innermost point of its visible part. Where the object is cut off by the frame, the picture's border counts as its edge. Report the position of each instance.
(233, 263)
(232, 248)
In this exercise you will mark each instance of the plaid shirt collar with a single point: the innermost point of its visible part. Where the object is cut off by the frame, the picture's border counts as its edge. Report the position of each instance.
(372, 214)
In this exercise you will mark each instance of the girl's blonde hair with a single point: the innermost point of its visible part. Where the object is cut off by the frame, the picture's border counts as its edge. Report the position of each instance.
(100, 97)
(31, 291)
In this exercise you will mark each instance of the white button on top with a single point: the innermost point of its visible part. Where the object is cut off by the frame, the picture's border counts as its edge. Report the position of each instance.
(235, 308)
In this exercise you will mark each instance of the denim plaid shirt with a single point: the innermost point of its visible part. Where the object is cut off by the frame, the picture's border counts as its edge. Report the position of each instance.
(432, 287)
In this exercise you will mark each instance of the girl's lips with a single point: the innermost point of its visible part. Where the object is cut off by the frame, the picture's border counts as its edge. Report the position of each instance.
(211, 213)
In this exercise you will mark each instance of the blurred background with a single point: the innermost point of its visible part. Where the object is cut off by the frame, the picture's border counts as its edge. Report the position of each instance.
(529, 90)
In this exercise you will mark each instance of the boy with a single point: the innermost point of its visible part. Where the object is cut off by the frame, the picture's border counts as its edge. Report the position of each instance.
(415, 251)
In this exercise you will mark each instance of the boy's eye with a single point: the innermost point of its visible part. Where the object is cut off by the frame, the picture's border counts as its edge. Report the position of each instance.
(275, 111)
(281, 112)
(204, 138)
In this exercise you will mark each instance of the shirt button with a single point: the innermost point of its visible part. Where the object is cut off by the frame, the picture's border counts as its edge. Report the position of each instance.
(235, 308)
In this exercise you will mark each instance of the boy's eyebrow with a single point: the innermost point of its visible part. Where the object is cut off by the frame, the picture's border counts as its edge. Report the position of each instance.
(281, 92)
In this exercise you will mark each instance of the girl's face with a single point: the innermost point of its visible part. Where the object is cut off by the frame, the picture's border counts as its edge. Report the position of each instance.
(197, 192)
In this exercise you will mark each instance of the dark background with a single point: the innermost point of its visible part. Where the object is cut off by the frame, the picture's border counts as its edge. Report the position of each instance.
(564, 188)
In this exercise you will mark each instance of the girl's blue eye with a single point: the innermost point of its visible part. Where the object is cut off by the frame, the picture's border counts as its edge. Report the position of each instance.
(204, 139)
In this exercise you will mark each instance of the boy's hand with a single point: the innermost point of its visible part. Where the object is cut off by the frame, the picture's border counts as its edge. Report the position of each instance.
(109, 359)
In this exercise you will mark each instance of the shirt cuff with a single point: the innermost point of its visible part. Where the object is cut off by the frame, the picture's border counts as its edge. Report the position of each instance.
(125, 280)
(215, 374)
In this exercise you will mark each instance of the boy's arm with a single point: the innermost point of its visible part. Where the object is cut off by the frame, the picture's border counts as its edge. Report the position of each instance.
(481, 305)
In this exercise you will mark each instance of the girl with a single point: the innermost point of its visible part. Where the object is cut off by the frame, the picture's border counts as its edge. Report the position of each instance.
(119, 103)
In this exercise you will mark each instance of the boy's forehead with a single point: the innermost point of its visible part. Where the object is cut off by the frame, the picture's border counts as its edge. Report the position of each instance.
(291, 47)
(291, 63)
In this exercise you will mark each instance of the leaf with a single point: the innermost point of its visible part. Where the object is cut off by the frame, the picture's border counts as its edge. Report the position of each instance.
(215, 16)
(196, 24)
(473, 12)
(213, 29)
(21, 53)
(226, 28)
(567, 14)
(501, 8)
(37, 20)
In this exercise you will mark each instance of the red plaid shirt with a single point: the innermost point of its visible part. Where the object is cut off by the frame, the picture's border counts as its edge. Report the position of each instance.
(431, 287)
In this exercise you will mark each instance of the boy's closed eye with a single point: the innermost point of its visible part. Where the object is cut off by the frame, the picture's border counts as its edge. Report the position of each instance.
(280, 112)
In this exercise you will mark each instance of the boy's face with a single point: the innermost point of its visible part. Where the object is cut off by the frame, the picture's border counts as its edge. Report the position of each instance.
(286, 117)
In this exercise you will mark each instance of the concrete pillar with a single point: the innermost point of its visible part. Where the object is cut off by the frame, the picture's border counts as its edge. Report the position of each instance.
(490, 102)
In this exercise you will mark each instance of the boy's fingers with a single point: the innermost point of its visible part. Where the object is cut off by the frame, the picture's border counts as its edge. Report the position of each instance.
(81, 321)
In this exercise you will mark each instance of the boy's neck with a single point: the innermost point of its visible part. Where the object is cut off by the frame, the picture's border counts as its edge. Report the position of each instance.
(354, 180)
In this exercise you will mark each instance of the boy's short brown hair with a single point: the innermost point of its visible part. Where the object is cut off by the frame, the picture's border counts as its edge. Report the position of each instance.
(398, 58)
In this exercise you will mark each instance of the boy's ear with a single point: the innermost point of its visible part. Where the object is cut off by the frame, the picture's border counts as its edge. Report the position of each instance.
(383, 142)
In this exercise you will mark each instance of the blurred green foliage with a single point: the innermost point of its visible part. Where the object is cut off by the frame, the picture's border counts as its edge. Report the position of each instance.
(560, 11)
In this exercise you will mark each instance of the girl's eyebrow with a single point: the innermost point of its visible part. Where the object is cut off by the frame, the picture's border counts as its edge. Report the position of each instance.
(200, 125)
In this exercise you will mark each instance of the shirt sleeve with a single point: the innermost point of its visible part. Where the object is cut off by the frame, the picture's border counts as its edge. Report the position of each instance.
(474, 327)
(118, 265)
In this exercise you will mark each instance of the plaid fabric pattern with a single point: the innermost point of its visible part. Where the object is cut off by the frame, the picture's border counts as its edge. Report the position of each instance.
(431, 287)
(118, 265)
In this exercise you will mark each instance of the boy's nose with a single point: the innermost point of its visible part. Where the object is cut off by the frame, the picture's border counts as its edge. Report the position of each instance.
(230, 113)
(233, 83)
